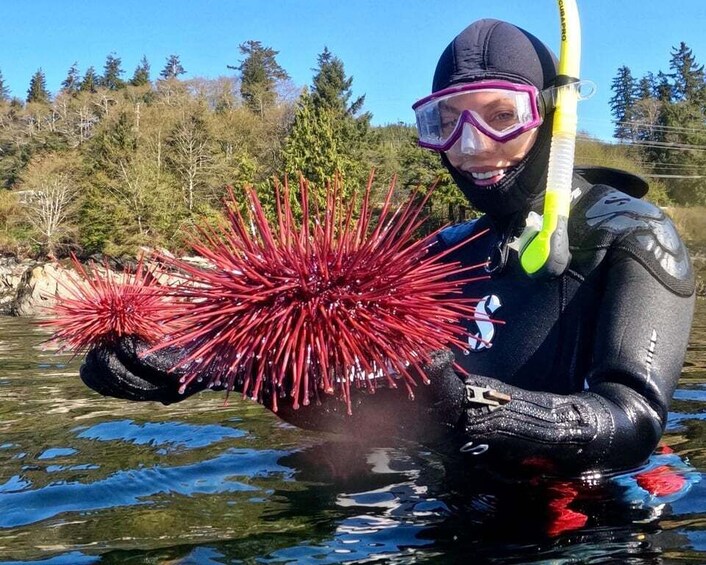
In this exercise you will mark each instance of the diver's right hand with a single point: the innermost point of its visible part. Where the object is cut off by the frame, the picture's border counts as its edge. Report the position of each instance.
(124, 371)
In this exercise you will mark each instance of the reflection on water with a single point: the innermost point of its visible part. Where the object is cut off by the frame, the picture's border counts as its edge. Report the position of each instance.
(85, 479)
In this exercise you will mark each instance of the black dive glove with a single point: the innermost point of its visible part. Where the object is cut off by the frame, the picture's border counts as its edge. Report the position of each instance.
(123, 371)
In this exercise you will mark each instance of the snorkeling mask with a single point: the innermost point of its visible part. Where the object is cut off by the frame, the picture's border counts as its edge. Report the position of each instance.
(497, 110)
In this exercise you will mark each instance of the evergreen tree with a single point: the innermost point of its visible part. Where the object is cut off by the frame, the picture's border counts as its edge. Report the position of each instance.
(111, 73)
(622, 103)
(37, 91)
(312, 148)
(688, 76)
(172, 69)
(72, 82)
(682, 116)
(683, 135)
(90, 81)
(331, 88)
(664, 89)
(259, 74)
(4, 90)
(111, 146)
(141, 76)
(647, 87)
(327, 138)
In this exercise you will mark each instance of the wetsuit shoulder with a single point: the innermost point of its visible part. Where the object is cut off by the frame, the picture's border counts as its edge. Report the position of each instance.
(610, 219)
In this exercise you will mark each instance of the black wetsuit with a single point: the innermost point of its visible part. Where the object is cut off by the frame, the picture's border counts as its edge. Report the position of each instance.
(590, 360)
(607, 338)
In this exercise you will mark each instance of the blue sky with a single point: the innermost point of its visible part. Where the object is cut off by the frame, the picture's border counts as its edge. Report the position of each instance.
(390, 47)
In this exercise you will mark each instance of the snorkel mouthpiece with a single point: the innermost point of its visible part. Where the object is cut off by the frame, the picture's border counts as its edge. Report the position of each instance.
(547, 254)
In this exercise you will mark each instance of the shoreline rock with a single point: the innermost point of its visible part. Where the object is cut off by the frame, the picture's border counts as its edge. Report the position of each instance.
(13, 274)
(30, 288)
(39, 289)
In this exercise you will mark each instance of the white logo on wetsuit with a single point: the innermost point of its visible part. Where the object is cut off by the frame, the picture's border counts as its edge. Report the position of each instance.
(482, 339)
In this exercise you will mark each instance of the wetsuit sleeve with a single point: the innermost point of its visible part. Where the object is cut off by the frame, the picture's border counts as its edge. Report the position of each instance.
(638, 352)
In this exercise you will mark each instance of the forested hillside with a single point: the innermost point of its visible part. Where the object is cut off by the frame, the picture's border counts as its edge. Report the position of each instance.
(110, 162)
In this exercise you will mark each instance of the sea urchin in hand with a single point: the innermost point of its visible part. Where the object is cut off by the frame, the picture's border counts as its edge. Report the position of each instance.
(101, 306)
(316, 301)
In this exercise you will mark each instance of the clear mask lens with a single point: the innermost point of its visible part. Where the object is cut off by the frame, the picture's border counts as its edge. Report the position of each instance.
(500, 111)
(473, 141)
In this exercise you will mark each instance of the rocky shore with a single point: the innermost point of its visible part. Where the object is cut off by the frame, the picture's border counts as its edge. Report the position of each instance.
(30, 288)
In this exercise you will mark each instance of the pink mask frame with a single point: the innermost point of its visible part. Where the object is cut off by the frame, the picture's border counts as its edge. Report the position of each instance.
(467, 116)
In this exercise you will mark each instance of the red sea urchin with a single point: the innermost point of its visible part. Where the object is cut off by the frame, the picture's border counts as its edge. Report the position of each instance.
(101, 307)
(311, 307)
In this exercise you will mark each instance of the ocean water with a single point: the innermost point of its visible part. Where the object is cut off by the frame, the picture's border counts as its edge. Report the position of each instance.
(86, 479)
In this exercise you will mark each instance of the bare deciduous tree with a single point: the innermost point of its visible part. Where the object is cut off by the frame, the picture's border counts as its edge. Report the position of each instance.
(191, 156)
(50, 203)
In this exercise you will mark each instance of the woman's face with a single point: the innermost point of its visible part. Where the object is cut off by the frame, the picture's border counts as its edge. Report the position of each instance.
(483, 160)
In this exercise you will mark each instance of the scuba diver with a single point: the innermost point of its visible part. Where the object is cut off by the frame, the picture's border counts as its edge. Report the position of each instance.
(579, 377)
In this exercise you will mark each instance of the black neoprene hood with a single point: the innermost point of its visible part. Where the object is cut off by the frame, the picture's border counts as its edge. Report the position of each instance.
(491, 49)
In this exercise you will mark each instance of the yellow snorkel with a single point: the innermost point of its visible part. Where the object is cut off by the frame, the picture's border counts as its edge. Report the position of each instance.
(547, 253)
